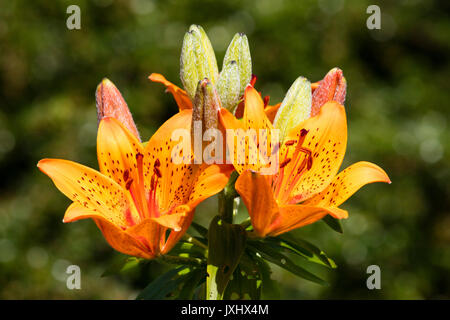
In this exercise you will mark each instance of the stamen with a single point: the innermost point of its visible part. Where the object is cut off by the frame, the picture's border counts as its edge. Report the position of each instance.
(157, 172)
(140, 188)
(290, 142)
(128, 185)
(284, 163)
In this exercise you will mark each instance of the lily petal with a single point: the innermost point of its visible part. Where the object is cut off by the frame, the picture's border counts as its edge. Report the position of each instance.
(116, 150)
(327, 141)
(174, 220)
(296, 216)
(211, 180)
(271, 111)
(177, 177)
(174, 236)
(347, 182)
(258, 198)
(254, 115)
(123, 241)
(92, 190)
(182, 99)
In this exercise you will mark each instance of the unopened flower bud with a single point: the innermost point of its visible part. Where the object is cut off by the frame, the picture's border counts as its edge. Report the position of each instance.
(239, 51)
(110, 103)
(206, 105)
(205, 116)
(295, 108)
(198, 60)
(228, 86)
(332, 87)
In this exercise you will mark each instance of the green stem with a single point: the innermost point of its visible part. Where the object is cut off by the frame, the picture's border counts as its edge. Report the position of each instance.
(226, 199)
(192, 240)
(182, 260)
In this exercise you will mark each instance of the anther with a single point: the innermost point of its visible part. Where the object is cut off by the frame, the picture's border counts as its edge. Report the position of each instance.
(290, 142)
(128, 185)
(157, 172)
(284, 163)
(126, 175)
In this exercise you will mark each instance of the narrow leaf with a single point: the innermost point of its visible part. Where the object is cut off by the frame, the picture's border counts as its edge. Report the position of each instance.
(333, 223)
(274, 256)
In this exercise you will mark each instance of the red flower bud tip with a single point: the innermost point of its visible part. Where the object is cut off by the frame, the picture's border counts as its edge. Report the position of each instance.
(110, 103)
(333, 87)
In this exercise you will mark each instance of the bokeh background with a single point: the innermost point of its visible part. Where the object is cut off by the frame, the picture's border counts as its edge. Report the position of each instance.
(397, 107)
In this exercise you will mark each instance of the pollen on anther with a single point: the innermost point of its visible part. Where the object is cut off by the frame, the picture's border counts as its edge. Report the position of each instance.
(128, 185)
(284, 163)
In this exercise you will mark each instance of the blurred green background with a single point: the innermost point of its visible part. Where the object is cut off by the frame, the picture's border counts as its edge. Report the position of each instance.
(397, 107)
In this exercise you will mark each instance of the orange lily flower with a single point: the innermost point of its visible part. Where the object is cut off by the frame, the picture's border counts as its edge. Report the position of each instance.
(140, 199)
(306, 187)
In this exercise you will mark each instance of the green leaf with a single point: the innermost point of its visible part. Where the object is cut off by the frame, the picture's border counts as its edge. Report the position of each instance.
(188, 249)
(200, 229)
(269, 287)
(164, 284)
(246, 281)
(272, 255)
(304, 249)
(226, 243)
(333, 223)
(193, 280)
(123, 265)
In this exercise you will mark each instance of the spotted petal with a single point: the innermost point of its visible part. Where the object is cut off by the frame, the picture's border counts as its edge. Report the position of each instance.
(347, 182)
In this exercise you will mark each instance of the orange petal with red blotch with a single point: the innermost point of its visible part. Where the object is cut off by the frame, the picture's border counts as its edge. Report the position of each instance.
(110, 103)
(257, 195)
(182, 99)
(327, 141)
(91, 190)
(347, 182)
(116, 151)
(174, 156)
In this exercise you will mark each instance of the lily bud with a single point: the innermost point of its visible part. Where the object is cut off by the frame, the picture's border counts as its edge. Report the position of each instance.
(110, 103)
(295, 108)
(206, 105)
(228, 86)
(198, 60)
(205, 116)
(332, 87)
(239, 51)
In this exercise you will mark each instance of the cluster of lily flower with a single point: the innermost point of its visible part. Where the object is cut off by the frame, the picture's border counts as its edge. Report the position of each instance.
(143, 202)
